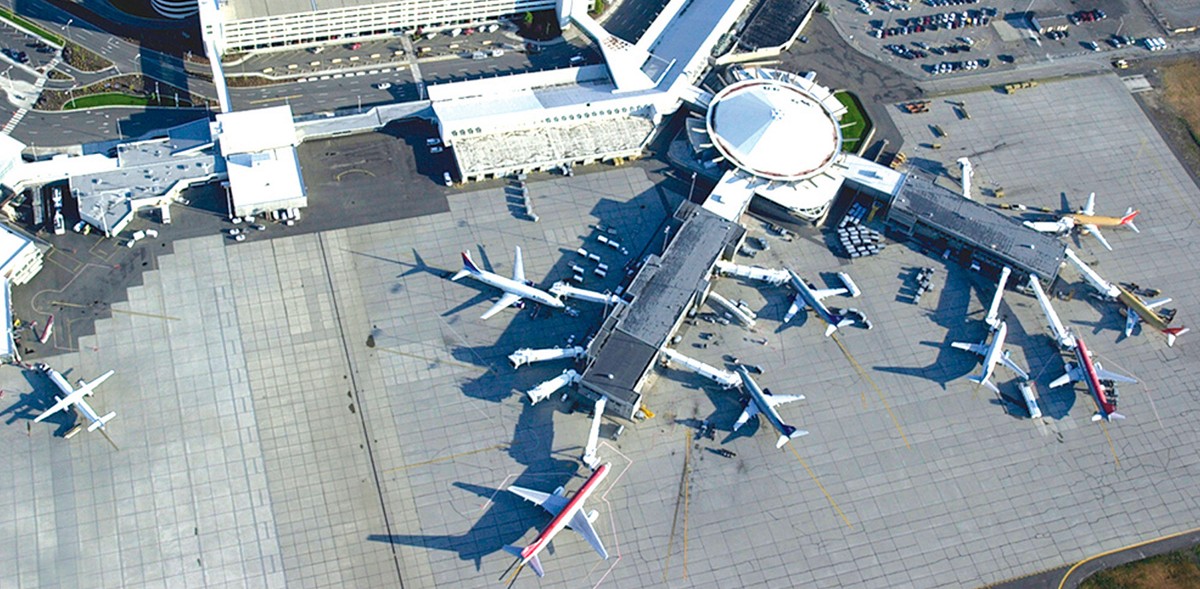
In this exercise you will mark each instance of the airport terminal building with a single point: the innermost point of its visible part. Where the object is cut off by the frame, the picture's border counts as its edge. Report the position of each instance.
(245, 25)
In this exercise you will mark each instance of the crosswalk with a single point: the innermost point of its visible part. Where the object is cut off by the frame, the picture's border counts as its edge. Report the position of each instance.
(37, 92)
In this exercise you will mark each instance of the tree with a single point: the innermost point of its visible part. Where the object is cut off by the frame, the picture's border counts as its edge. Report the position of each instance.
(528, 18)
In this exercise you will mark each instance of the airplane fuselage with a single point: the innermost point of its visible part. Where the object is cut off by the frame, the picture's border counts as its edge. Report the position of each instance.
(1092, 380)
(1137, 305)
(759, 399)
(518, 288)
(806, 294)
(561, 520)
(1097, 220)
(70, 396)
(993, 354)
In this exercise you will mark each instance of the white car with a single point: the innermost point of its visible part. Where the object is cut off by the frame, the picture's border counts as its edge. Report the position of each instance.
(383, 85)
(435, 149)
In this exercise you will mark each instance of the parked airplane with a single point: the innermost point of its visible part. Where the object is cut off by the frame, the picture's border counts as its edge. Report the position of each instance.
(762, 401)
(1135, 308)
(75, 397)
(1138, 310)
(991, 355)
(567, 513)
(1088, 221)
(515, 288)
(1093, 375)
(806, 298)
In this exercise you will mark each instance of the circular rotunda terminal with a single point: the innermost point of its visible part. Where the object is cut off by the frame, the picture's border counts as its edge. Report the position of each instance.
(774, 130)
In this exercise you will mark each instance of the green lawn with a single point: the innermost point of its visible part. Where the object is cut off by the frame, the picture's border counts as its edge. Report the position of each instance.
(29, 26)
(111, 99)
(855, 123)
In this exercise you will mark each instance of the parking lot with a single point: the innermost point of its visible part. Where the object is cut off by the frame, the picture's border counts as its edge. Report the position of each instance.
(20, 48)
(939, 38)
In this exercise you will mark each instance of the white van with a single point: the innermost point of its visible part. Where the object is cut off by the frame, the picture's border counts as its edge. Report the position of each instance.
(165, 213)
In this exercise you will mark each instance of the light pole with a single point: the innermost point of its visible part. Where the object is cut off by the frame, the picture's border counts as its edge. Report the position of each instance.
(693, 188)
(66, 29)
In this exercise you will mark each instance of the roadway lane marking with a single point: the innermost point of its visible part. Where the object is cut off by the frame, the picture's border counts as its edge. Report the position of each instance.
(682, 495)
(289, 97)
(871, 382)
(816, 480)
(1067, 575)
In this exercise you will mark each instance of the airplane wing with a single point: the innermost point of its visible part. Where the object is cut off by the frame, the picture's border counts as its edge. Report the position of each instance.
(580, 524)
(505, 301)
(1103, 374)
(518, 266)
(95, 383)
(548, 501)
(798, 305)
(1013, 366)
(973, 348)
(62, 403)
(1090, 207)
(828, 292)
(1073, 374)
(1156, 303)
(1131, 321)
(1095, 232)
(777, 400)
(750, 411)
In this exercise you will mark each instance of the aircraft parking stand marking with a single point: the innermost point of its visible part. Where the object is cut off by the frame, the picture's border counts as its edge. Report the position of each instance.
(501, 446)
(820, 486)
(871, 382)
(1111, 446)
(434, 360)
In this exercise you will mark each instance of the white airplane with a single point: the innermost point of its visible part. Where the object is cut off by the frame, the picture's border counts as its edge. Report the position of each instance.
(807, 297)
(991, 355)
(515, 288)
(762, 401)
(75, 397)
(567, 513)
(1088, 221)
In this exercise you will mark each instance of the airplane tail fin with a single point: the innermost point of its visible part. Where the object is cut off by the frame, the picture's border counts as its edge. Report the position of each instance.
(100, 423)
(1174, 332)
(533, 561)
(789, 432)
(1128, 219)
(838, 321)
(983, 381)
(468, 268)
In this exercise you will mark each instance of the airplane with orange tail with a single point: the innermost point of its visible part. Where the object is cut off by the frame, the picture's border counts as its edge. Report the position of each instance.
(1087, 221)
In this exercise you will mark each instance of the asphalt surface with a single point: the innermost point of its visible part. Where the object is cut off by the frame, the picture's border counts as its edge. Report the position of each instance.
(352, 181)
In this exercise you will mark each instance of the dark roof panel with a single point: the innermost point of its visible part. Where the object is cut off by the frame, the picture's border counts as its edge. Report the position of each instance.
(948, 212)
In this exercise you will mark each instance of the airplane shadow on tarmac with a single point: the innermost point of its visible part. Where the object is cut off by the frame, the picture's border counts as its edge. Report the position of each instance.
(504, 522)
(952, 304)
(29, 405)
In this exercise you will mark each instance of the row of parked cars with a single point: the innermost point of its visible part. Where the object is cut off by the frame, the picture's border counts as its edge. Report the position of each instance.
(949, 67)
(1086, 16)
(934, 22)
(949, 2)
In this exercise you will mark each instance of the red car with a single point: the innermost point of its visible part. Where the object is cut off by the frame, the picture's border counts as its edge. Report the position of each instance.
(354, 46)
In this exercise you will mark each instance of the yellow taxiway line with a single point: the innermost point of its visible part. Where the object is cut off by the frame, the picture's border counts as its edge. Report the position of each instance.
(816, 480)
(878, 391)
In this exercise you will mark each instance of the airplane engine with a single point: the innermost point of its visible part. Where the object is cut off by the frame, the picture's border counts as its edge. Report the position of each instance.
(592, 515)
(561, 492)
